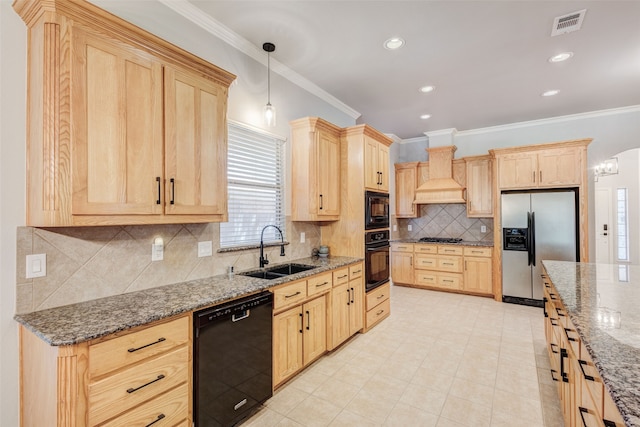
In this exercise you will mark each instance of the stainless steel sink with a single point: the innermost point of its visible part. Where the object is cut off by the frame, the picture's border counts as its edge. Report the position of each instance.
(278, 271)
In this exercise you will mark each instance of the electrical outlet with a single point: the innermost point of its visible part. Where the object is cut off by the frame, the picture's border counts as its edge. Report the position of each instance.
(36, 265)
(395, 227)
(483, 228)
(205, 248)
(157, 249)
(302, 237)
(410, 227)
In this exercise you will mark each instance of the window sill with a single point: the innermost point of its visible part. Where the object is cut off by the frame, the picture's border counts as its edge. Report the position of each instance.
(248, 247)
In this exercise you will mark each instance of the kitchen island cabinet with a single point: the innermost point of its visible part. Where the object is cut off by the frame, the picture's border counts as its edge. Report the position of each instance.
(123, 127)
(592, 333)
(315, 164)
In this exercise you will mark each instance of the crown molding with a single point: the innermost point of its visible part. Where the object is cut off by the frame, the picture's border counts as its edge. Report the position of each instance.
(219, 30)
(442, 132)
(548, 121)
(421, 139)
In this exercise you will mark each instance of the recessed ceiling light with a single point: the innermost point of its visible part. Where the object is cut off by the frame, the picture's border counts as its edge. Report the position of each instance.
(550, 92)
(425, 116)
(427, 89)
(394, 43)
(561, 57)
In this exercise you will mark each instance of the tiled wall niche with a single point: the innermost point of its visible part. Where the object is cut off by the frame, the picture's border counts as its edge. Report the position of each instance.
(85, 263)
(445, 220)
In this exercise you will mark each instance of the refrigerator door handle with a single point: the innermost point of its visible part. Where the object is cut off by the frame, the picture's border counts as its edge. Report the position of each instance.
(529, 238)
(533, 238)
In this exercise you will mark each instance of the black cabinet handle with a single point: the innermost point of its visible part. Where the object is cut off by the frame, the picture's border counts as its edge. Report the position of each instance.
(566, 331)
(131, 390)
(161, 416)
(301, 322)
(582, 363)
(353, 292)
(173, 191)
(544, 305)
(308, 319)
(551, 320)
(348, 297)
(553, 345)
(563, 374)
(159, 194)
(321, 202)
(131, 350)
(552, 376)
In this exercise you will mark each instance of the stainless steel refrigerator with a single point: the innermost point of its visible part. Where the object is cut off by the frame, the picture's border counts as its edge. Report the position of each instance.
(535, 226)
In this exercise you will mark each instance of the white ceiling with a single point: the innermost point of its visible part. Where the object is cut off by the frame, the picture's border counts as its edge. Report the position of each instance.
(487, 59)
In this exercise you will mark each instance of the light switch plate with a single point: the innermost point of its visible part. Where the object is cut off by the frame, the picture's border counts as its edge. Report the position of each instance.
(36, 265)
(302, 237)
(205, 248)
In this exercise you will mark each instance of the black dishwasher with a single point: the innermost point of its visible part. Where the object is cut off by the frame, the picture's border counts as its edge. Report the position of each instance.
(232, 360)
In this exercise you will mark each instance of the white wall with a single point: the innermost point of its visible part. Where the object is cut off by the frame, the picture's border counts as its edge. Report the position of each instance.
(12, 197)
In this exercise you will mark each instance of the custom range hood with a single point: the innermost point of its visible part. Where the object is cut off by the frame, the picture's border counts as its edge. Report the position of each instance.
(440, 187)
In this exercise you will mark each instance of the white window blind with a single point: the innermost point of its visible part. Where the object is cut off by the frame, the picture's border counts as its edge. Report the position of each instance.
(255, 173)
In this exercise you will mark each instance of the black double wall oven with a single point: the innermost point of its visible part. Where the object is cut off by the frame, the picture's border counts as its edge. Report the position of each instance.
(376, 243)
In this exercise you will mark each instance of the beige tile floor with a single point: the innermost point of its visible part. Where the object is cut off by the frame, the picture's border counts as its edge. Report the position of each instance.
(440, 360)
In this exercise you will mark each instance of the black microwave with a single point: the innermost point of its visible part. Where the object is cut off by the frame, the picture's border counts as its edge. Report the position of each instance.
(376, 210)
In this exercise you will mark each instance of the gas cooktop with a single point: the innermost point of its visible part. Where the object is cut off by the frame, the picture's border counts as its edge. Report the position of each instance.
(441, 240)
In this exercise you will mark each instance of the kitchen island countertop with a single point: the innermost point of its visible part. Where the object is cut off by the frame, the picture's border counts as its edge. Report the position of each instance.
(71, 324)
(602, 302)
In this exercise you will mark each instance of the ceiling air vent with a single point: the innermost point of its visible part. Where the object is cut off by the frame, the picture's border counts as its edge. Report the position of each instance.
(568, 23)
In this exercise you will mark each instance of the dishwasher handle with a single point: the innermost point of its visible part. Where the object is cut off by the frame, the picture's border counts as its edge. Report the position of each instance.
(243, 315)
(234, 310)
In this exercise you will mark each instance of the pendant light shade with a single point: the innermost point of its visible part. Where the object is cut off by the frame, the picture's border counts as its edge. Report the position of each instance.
(269, 110)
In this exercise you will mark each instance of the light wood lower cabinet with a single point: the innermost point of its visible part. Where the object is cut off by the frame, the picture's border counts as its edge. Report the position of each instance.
(135, 378)
(583, 398)
(347, 304)
(378, 305)
(444, 267)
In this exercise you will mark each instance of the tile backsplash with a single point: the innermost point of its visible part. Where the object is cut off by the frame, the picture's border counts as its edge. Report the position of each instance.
(85, 263)
(445, 220)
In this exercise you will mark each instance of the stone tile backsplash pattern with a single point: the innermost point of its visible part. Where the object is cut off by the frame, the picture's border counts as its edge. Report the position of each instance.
(445, 220)
(85, 263)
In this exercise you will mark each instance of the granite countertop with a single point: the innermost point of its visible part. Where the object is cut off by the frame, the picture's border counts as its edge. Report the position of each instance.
(462, 243)
(84, 321)
(602, 302)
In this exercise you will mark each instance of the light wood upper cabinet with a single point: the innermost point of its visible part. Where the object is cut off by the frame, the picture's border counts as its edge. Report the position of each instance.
(196, 152)
(376, 164)
(406, 184)
(117, 128)
(315, 164)
(120, 123)
(479, 185)
(542, 166)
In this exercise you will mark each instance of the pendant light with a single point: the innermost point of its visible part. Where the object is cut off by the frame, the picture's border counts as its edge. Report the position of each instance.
(269, 110)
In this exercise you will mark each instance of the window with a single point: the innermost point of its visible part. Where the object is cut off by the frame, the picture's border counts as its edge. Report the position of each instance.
(255, 173)
(622, 229)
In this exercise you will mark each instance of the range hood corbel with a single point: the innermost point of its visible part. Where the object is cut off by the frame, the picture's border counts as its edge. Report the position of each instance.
(440, 187)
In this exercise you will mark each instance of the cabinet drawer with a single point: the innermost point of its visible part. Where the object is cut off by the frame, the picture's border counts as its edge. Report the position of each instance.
(590, 380)
(377, 296)
(611, 412)
(450, 250)
(355, 271)
(401, 247)
(130, 387)
(450, 281)
(165, 410)
(426, 262)
(378, 312)
(425, 249)
(426, 278)
(477, 251)
(452, 264)
(118, 352)
(289, 294)
(321, 283)
(340, 277)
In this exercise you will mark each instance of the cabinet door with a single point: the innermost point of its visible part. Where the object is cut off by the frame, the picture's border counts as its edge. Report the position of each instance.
(559, 167)
(356, 307)
(315, 329)
(328, 174)
(402, 267)
(479, 189)
(517, 170)
(340, 307)
(195, 145)
(477, 275)
(287, 344)
(117, 128)
(371, 172)
(383, 167)
(406, 183)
